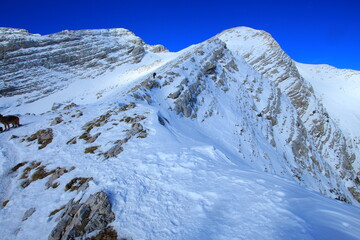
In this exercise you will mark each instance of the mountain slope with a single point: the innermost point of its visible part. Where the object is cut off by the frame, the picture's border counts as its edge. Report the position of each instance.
(214, 147)
(35, 66)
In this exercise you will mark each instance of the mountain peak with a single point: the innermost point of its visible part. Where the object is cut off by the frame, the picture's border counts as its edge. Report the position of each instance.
(230, 132)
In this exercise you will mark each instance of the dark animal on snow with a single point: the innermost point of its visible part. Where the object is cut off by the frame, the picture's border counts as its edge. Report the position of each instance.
(7, 120)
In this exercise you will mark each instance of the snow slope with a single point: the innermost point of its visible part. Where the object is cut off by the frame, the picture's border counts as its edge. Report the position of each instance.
(209, 151)
(338, 90)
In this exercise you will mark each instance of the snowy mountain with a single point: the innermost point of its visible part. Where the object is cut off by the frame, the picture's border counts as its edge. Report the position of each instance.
(231, 139)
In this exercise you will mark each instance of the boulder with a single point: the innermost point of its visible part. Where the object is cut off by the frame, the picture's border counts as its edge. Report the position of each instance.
(79, 219)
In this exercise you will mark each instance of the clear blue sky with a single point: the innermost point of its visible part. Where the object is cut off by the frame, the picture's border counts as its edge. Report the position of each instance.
(310, 31)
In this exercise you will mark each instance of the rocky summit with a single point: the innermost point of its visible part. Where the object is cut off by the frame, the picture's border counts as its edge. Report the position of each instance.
(227, 139)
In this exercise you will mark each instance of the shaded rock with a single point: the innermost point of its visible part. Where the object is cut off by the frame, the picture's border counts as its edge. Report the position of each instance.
(5, 203)
(91, 149)
(162, 120)
(150, 84)
(114, 151)
(57, 120)
(77, 115)
(158, 48)
(72, 141)
(17, 166)
(135, 129)
(25, 183)
(79, 219)
(108, 234)
(88, 138)
(127, 106)
(56, 106)
(93, 138)
(58, 173)
(78, 183)
(28, 213)
(39, 172)
(142, 134)
(97, 122)
(71, 105)
(175, 95)
(44, 137)
(209, 68)
(133, 119)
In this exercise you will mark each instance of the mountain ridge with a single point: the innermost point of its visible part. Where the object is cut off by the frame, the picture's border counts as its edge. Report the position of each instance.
(228, 109)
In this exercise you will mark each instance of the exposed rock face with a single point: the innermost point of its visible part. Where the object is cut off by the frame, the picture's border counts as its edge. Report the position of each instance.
(269, 95)
(314, 127)
(78, 219)
(28, 214)
(43, 136)
(56, 121)
(31, 63)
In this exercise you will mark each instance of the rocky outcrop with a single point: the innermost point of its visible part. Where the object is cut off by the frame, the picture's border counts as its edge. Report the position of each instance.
(28, 214)
(332, 153)
(43, 137)
(78, 219)
(40, 65)
(56, 121)
(247, 69)
(137, 129)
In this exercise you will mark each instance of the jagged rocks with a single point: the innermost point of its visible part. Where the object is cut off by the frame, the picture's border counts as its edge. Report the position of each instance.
(78, 183)
(28, 214)
(79, 219)
(158, 48)
(56, 106)
(77, 115)
(133, 119)
(5, 203)
(56, 121)
(175, 95)
(55, 175)
(35, 171)
(91, 149)
(107, 234)
(43, 136)
(137, 129)
(89, 138)
(72, 141)
(98, 122)
(114, 151)
(126, 107)
(69, 106)
(150, 84)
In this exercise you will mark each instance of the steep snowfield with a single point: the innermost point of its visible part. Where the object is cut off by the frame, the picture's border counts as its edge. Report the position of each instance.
(207, 151)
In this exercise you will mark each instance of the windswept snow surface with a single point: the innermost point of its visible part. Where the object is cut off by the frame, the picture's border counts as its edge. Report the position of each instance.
(167, 186)
(176, 183)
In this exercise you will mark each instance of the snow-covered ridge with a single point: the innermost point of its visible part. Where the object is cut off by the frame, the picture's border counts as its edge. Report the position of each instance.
(229, 135)
(35, 66)
(12, 31)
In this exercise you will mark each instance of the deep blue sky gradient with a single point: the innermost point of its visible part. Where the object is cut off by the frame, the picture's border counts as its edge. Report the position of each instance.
(309, 31)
